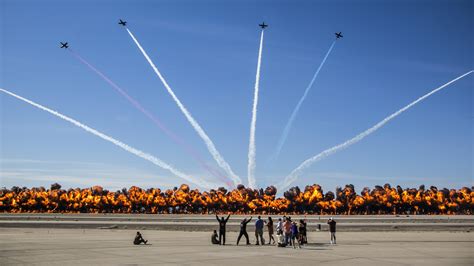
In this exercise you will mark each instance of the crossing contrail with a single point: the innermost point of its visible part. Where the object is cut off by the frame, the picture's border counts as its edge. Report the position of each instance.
(209, 144)
(294, 174)
(252, 147)
(190, 150)
(288, 125)
(116, 142)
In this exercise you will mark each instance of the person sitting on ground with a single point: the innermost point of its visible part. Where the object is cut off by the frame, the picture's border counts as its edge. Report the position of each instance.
(214, 238)
(139, 239)
(294, 235)
(243, 230)
(281, 240)
(259, 231)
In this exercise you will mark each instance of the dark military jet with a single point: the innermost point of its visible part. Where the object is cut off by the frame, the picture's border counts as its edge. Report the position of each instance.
(338, 35)
(123, 23)
(64, 45)
(263, 25)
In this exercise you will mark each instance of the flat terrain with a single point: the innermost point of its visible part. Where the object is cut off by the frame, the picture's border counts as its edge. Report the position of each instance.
(207, 223)
(59, 239)
(42, 246)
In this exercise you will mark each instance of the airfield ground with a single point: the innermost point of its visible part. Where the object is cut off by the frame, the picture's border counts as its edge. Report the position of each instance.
(207, 223)
(52, 244)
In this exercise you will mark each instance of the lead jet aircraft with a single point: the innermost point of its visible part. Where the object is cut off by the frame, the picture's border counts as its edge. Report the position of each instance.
(263, 25)
(338, 35)
(123, 23)
(64, 45)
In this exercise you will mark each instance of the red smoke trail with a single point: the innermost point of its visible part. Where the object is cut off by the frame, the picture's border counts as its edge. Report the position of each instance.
(199, 130)
(155, 120)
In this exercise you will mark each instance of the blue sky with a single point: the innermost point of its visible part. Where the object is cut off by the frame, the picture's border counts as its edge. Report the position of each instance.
(392, 53)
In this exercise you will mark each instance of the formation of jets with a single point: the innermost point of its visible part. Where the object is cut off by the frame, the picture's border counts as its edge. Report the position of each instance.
(124, 24)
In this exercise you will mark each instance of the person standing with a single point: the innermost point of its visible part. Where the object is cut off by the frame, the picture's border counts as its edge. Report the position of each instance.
(222, 221)
(294, 235)
(332, 230)
(302, 232)
(270, 231)
(279, 227)
(259, 231)
(243, 230)
(287, 230)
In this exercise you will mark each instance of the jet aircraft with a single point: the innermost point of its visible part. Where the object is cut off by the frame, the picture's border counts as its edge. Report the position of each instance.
(263, 25)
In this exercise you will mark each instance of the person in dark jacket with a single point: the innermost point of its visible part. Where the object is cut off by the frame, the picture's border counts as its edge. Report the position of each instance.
(243, 230)
(222, 221)
(302, 229)
(259, 231)
(214, 238)
(139, 239)
(332, 230)
(270, 231)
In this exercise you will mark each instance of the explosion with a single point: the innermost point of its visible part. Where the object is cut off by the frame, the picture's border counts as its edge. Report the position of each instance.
(242, 200)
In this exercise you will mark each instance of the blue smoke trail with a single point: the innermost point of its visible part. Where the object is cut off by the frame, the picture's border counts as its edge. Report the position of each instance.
(286, 131)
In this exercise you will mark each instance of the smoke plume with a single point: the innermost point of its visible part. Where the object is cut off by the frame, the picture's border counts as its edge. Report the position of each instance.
(118, 143)
(190, 150)
(288, 125)
(209, 144)
(295, 173)
(253, 123)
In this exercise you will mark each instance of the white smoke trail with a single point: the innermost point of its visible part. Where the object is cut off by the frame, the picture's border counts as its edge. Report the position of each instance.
(294, 174)
(209, 144)
(253, 123)
(122, 145)
(286, 131)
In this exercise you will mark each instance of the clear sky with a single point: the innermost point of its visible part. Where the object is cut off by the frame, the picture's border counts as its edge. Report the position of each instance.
(392, 53)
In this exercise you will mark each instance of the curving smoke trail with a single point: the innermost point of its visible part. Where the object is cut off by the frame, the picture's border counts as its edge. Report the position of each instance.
(288, 125)
(118, 143)
(153, 118)
(252, 147)
(209, 144)
(294, 174)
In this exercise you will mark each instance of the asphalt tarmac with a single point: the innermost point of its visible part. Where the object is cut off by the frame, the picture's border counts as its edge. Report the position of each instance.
(42, 246)
(207, 223)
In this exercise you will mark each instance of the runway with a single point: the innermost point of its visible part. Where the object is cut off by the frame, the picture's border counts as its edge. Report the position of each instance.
(207, 223)
(41, 246)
